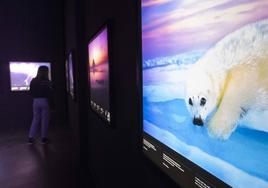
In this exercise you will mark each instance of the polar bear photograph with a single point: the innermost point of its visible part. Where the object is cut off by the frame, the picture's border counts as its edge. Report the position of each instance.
(205, 85)
(230, 81)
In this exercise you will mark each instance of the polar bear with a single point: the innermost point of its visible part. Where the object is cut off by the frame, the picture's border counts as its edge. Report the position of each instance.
(230, 81)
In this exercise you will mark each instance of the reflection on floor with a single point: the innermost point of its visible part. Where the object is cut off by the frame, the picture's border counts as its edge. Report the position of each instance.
(38, 166)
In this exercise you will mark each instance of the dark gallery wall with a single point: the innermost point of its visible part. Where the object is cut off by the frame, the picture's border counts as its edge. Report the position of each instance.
(70, 44)
(77, 108)
(114, 155)
(30, 30)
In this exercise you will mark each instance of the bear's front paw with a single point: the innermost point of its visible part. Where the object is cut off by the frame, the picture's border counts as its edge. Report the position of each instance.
(220, 127)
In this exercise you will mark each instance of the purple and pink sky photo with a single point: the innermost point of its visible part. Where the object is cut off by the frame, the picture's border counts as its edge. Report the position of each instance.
(99, 73)
(98, 49)
(171, 27)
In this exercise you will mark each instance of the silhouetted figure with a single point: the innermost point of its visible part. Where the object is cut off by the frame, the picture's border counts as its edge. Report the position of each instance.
(41, 91)
(93, 66)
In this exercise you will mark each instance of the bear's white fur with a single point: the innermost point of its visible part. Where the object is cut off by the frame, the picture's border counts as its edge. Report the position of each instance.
(232, 79)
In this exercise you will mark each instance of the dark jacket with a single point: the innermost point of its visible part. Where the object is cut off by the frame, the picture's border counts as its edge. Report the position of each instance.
(42, 89)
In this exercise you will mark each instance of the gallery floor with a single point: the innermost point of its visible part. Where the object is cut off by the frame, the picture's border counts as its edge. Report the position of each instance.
(38, 166)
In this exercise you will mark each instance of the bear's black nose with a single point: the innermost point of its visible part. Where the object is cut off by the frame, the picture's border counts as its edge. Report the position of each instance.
(198, 121)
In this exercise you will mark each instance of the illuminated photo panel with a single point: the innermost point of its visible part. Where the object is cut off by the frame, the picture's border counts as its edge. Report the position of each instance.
(98, 74)
(205, 87)
(71, 74)
(21, 74)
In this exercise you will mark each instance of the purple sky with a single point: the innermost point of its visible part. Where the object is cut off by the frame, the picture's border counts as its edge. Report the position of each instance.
(171, 27)
(98, 48)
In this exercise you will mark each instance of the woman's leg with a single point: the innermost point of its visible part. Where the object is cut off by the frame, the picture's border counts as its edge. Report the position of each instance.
(36, 119)
(45, 117)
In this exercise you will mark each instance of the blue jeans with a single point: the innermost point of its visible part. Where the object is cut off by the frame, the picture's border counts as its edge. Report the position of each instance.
(40, 115)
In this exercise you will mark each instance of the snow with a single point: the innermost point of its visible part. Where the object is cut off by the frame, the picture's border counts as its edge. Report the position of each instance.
(239, 161)
(172, 87)
(228, 173)
(255, 120)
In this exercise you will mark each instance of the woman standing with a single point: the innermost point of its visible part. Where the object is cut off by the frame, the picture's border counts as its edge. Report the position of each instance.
(41, 91)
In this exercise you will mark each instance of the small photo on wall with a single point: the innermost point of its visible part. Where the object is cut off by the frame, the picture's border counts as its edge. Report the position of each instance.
(70, 81)
(71, 74)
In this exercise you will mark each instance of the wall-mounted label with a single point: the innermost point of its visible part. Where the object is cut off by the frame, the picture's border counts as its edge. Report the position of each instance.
(172, 162)
(198, 182)
(148, 145)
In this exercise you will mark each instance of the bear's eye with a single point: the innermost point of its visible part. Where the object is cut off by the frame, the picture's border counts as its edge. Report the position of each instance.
(190, 102)
(203, 101)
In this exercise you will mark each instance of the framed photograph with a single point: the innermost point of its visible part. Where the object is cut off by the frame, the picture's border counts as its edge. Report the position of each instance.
(21, 74)
(71, 74)
(204, 71)
(67, 75)
(99, 78)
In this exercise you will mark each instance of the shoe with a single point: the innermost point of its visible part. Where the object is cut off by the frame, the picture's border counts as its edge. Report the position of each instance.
(30, 141)
(44, 140)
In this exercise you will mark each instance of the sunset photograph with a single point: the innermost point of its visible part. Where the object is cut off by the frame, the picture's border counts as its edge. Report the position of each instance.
(98, 73)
